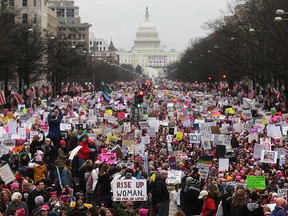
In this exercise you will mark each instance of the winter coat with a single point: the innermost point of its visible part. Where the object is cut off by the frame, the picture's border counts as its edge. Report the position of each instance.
(209, 205)
(67, 178)
(254, 209)
(172, 203)
(239, 210)
(278, 211)
(60, 162)
(15, 205)
(54, 126)
(40, 171)
(84, 151)
(31, 198)
(190, 203)
(226, 204)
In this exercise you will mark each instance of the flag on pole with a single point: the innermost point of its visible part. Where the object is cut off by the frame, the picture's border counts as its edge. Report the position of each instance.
(106, 97)
(105, 88)
(2, 98)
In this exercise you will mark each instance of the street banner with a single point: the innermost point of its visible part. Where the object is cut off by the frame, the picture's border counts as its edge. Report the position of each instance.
(129, 190)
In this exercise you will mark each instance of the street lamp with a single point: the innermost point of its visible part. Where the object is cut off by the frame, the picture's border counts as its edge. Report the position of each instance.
(280, 12)
(279, 19)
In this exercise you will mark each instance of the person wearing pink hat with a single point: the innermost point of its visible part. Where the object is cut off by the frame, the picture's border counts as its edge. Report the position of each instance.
(44, 210)
(62, 156)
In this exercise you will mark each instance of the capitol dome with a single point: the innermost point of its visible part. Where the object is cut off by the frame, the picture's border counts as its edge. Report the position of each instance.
(147, 37)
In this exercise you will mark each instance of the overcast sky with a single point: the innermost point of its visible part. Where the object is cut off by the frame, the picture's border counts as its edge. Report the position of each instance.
(177, 21)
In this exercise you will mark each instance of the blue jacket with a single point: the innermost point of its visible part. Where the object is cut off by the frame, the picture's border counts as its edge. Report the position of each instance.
(278, 211)
(54, 126)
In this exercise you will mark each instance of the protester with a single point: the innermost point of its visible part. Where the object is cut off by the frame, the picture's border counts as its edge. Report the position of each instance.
(54, 120)
(280, 208)
(16, 204)
(38, 191)
(209, 207)
(209, 136)
(238, 205)
(189, 194)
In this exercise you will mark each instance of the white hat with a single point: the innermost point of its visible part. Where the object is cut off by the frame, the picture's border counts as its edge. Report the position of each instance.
(274, 194)
(202, 194)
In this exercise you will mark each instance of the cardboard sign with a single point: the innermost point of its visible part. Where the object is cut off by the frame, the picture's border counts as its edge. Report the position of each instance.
(204, 170)
(194, 138)
(282, 193)
(172, 163)
(110, 158)
(256, 182)
(6, 174)
(223, 165)
(258, 150)
(129, 190)
(269, 156)
(174, 176)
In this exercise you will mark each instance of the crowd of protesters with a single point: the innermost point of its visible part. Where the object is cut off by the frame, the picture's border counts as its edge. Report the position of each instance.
(49, 182)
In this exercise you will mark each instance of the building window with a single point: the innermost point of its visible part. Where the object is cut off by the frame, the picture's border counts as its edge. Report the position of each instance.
(24, 18)
(35, 19)
(24, 3)
(35, 3)
(11, 3)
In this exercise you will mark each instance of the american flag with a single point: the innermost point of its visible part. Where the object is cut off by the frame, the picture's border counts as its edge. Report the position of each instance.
(2, 98)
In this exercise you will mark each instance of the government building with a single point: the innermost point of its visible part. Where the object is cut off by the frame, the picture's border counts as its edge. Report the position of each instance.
(147, 51)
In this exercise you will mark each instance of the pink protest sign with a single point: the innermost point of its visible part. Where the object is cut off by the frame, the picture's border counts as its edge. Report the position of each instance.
(109, 157)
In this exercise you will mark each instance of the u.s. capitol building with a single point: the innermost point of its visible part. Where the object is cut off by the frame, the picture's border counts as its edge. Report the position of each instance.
(147, 51)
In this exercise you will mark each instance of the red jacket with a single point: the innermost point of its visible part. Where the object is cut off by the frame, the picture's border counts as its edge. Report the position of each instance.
(208, 206)
(84, 151)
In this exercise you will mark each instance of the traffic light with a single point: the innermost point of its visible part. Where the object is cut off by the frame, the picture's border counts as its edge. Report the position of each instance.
(139, 98)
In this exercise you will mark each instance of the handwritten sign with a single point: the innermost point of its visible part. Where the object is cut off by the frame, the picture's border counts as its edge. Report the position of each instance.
(6, 174)
(129, 190)
(174, 176)
(110, 158)
(256, 182)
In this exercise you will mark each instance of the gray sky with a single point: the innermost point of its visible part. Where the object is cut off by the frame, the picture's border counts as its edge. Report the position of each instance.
(177, 21)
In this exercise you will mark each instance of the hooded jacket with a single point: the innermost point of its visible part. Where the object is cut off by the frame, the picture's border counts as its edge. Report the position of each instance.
(254, 209)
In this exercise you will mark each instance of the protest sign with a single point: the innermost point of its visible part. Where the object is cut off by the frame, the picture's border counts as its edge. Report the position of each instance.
(204, 170)
(74, 152)
(282, 192)
(256, 182)
(204, 159)
(172, 163)
(281, 151)
(174, 176)
(223, 165)
(266, 142)
(6, 174)
(109, 157)
(258, 150)
(129, 190)
(194, 138)
(269, 156)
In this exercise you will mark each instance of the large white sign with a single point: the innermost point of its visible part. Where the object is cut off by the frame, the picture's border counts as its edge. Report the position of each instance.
(129, 189)
(6, 174)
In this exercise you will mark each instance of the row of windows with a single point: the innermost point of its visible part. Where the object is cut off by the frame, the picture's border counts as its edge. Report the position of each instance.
(72, 29)
(25, 3)
(25, 18)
